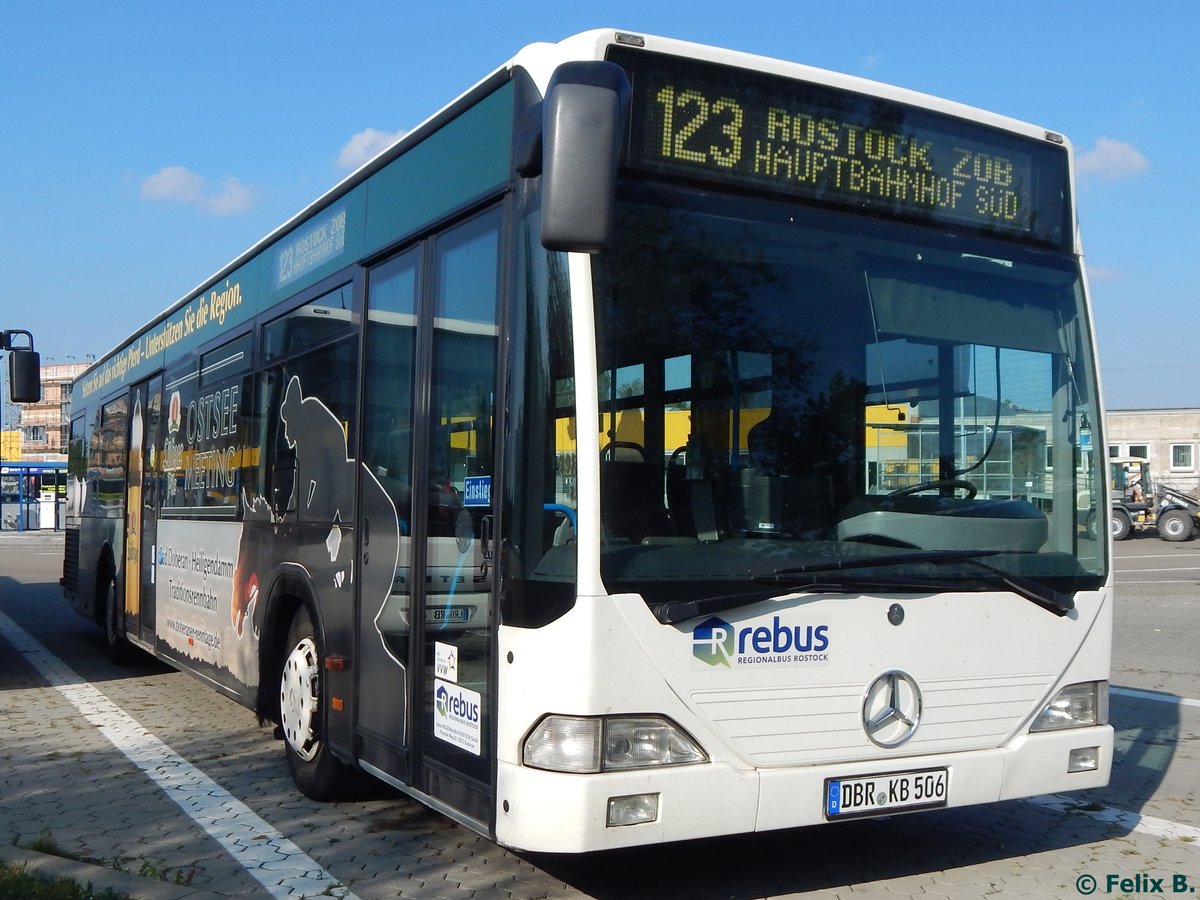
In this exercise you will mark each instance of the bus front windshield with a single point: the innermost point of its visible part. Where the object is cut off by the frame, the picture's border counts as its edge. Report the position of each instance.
(787, 391)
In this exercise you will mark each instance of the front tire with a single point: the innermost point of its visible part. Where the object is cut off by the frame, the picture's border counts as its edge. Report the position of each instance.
(1121, 526)
(302, 713)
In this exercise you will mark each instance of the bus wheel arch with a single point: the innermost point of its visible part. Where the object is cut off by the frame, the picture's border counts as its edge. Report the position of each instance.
(105, 573)
(290, 591)
(285, 600)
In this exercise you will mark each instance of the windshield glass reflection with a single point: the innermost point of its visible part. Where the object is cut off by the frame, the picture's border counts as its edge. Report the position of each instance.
(781, 387)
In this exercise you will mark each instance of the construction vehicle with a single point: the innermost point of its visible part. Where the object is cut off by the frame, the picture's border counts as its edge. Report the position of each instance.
(1139, 503)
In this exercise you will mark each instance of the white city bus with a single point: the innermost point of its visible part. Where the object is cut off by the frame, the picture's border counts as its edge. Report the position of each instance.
(653, 444)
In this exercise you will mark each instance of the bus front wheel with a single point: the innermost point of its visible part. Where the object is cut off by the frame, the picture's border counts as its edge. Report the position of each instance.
(317, 772)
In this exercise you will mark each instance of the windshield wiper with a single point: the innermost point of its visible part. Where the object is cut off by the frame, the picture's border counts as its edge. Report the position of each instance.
(1042, 595)
(811, 579)
(893, 559)
(675, 611)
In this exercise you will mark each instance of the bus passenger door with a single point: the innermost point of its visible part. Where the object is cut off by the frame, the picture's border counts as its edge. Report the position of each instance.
(385, 514)
(426, 644)
(454, 704)
(141, 509)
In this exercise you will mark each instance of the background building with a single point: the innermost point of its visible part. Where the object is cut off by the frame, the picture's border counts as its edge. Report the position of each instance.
(10, 430)
(1169, 438)
(33, 452)
(38, 432)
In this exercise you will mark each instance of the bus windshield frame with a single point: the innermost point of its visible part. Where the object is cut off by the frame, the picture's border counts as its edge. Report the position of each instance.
(851, 349)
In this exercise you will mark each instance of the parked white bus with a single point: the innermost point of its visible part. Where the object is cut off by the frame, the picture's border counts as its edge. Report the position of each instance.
(604, 464)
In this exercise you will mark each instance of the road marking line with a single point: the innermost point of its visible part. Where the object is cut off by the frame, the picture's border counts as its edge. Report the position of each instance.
(1152, 695)
(270, 858)
(1148, 571)
(1156, 581)
(1136, 557)
(1185, 834)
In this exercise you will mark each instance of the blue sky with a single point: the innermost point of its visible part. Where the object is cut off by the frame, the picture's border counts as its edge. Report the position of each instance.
(145, 144)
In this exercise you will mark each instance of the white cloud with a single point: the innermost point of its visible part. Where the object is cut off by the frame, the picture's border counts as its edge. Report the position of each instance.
(180, 185)
(366, 145)
(233, 197)
(1104, 273)
(1112, 160)
(173, 183)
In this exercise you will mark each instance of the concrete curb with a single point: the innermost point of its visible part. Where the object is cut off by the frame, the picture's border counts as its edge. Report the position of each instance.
(101, 877)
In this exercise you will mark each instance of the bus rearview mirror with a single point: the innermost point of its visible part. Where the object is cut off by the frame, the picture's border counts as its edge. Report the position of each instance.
(584, 118)
(25, 376)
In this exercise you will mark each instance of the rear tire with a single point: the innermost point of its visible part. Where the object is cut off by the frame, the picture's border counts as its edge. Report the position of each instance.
(120, 651)
(302, 714)
(1121, 526)
(1175, 525)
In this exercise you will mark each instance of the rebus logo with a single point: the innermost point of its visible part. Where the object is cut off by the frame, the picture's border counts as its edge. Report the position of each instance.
(717, 643)
(712, 642)
(456, 706)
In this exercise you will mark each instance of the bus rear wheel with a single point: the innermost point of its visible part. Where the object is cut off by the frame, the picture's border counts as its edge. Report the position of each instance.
(317, 772)
(120, 651)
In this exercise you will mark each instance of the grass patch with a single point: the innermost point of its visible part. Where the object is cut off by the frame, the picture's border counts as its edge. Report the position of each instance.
(18, 883)
(44, 843)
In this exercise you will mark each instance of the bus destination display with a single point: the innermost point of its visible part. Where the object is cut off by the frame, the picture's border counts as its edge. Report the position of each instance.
(730, 125)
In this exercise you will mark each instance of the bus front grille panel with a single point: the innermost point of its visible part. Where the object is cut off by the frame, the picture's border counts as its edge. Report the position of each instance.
(813, 724)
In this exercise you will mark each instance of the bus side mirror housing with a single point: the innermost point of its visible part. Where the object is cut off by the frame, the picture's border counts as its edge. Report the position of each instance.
(24, 368)
(25, 376)
(584, 119)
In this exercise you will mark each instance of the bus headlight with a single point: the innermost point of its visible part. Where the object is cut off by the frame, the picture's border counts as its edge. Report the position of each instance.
(585, 744)
(1075, 706)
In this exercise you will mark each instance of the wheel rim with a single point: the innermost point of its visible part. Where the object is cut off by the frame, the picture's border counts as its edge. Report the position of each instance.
(298, 697)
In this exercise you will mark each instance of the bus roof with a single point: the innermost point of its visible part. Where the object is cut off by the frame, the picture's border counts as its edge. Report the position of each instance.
(539, 60)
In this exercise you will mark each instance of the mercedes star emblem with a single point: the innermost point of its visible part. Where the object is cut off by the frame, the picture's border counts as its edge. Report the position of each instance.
(891, 709)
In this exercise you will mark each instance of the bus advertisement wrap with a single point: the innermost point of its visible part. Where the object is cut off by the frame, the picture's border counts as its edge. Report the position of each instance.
(194, 571)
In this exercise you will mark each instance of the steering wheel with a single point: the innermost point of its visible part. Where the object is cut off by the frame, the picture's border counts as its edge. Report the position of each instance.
(609, 451)
(937, 484)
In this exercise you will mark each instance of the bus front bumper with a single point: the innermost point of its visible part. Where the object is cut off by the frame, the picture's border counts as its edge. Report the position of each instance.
(567, 813)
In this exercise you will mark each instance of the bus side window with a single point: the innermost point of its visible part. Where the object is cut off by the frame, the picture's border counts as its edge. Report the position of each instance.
(107, 465)
(276, 471)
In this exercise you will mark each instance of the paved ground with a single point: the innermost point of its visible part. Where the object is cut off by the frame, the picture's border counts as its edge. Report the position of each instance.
(147, 770)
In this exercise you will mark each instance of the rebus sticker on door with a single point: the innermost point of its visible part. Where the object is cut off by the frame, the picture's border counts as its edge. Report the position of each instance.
(458, 716)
